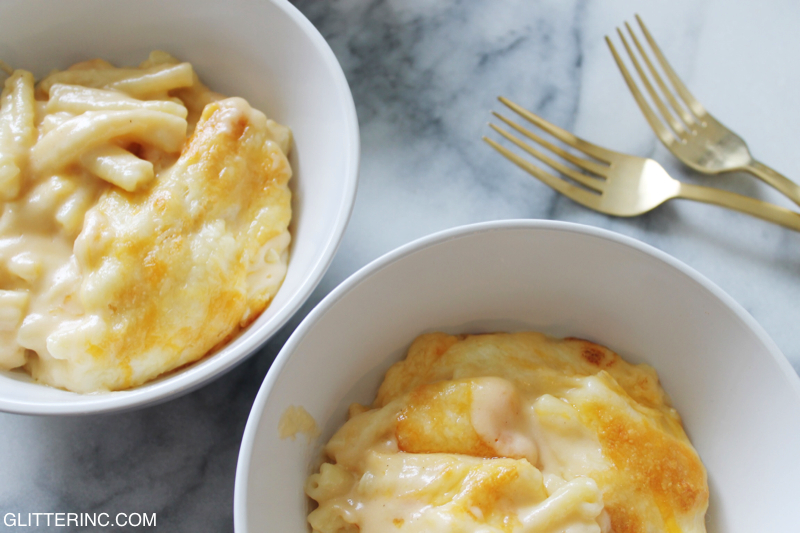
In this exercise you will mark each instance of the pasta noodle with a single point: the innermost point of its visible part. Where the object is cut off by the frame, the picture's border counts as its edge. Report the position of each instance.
(68, 141)
(76, 99)
(138, 83)
(17, 132)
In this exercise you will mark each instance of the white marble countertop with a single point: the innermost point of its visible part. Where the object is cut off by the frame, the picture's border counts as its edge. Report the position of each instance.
(425, 75)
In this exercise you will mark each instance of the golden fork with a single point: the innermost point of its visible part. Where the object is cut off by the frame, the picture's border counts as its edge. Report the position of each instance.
(618, 184)
(696, 138)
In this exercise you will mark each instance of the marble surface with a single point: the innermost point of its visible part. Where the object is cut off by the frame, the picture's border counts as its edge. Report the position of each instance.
(424, 75)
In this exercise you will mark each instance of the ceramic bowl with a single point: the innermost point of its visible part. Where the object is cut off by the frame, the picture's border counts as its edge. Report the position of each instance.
(265, 51)
(738, 395)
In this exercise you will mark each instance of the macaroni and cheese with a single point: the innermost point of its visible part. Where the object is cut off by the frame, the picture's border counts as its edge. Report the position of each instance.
(511, 433)
(143, 221)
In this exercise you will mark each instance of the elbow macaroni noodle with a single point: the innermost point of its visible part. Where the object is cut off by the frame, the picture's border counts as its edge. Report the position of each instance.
(143, 221)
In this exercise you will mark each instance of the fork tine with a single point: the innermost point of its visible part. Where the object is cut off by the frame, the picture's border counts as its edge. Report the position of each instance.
(591, 166)
(687, 117)
(676, 126)
(582, 196)
(597, 152)
(662, 132)
(696, 107)
(583, 179)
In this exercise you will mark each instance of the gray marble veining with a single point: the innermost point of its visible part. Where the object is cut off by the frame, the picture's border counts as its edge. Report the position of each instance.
(424, 75)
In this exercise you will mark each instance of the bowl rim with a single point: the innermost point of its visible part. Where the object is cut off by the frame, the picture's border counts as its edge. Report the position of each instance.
(309, 322)
(195, 376)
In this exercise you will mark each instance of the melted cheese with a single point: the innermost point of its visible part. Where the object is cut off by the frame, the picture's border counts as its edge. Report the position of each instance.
(128, 250)
(511, 433)
(297, 420)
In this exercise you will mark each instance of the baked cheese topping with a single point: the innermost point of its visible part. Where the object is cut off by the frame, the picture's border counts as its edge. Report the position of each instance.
(511, 433)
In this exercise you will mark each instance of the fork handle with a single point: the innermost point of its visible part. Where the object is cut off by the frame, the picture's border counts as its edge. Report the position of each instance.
(757, 208)
(775, 179)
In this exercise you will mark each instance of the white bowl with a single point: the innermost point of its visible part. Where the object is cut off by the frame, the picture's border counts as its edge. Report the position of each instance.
(739, 397)
(264, 51)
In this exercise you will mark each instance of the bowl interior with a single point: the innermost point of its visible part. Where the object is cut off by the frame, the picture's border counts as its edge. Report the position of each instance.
(739, 398)
(264, 51)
